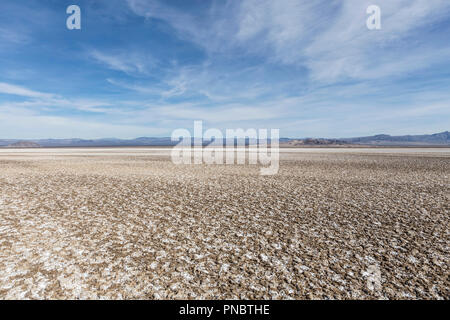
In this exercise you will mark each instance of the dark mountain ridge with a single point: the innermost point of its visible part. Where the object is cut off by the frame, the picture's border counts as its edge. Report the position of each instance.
(437, 139)
(442, 138)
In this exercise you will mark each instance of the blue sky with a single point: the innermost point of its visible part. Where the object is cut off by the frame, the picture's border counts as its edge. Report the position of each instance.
(144, 67)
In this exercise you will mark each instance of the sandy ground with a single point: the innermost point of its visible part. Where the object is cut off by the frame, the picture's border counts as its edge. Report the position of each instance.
(127, 223)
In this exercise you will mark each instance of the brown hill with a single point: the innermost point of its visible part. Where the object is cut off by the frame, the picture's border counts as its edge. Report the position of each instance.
(24, 144)
(312, 142)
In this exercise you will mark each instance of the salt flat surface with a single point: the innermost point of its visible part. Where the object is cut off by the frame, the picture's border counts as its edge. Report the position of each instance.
(129, 224)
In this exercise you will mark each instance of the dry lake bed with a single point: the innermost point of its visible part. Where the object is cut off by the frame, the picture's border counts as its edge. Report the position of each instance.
(126, 223)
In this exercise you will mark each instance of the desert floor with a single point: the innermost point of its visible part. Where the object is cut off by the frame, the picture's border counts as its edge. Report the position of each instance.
(127, 223)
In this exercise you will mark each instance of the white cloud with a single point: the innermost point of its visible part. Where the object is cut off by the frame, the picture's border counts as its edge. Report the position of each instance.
(328, 37)
(210, 28)
(11, 89)
(39, 100)
(144, 89)
(128, 62)
(347, 49)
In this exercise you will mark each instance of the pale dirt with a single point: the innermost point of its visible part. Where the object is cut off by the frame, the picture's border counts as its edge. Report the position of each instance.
(127, 223)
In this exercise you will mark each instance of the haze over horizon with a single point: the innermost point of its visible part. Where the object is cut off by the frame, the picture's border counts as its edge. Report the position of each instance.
(143, 68)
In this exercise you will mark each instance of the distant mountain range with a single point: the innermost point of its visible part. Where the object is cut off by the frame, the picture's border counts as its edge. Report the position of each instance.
(24, 144)
(442, 138)
(437, 139)
(108, 142)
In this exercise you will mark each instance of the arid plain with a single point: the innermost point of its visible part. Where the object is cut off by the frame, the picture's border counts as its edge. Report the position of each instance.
(127, 223)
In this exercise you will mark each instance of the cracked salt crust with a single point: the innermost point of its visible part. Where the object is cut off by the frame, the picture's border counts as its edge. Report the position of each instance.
(121, 224)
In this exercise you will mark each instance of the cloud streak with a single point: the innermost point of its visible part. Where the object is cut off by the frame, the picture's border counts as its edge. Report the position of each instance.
(130, 63)
(11, 89)
(329, 38)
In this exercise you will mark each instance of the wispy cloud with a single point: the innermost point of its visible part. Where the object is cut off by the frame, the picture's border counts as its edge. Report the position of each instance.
(11, 89)
(38, 100)
(329, 38)
(128, 62)
(144, 89)
(349, 50)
